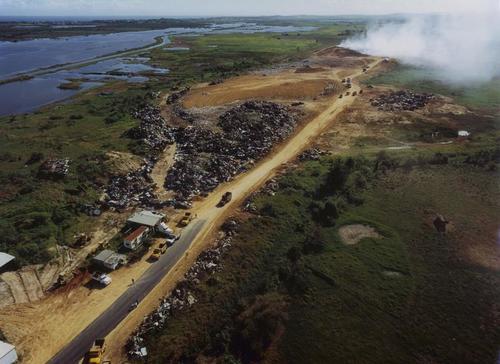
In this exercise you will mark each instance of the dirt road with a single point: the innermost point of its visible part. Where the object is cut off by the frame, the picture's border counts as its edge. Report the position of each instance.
(42, 330)
(241, 188)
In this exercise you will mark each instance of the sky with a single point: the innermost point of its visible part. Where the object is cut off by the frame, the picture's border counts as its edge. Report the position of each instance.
(158, 8)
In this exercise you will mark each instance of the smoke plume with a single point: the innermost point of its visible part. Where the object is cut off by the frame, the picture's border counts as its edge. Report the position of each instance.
(459, 48)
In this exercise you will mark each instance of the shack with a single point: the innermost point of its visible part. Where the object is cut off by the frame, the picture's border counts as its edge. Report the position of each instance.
(136, 238)
(6, 261)
(109, 259)
(8, 354)
(149, 219)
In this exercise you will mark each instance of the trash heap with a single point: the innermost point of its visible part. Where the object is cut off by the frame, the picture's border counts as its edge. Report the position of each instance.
(401, 101)
(153, 129)
(136, 188)
(312, 154)
(180, 112)
(182, 297)
(176, 96)
(207, 158)
(54, 168)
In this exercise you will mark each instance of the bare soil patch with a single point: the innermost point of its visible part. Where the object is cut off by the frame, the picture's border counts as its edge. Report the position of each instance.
(353, 234)
(283, 86)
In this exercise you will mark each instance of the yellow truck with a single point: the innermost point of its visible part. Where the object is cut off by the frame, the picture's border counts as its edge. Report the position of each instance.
(186, 219)
(96, 353)
(159, 250)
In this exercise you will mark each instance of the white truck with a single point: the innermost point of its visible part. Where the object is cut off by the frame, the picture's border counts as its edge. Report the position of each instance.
(102, 278)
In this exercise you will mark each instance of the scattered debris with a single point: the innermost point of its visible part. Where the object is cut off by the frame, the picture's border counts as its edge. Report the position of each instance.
(312, 154)
(401, 100)
(182, 297)
(54, 168)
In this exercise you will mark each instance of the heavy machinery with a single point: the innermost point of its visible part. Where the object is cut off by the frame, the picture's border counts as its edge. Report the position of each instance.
(96, 353)
(226, 198)
(186, 219)
(159, 250)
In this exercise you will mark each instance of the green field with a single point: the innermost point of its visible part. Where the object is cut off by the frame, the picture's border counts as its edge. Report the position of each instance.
(292, 292)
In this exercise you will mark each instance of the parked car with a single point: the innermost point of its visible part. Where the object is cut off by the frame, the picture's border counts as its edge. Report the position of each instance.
(102, 278)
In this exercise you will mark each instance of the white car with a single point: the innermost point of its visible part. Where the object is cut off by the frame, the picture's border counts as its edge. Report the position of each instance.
(164, 229)
(102, 278)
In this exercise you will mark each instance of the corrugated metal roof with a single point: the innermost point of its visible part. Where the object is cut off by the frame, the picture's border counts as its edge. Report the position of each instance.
(104, 255)
(5, 348)
(5, 258)
(147, 218)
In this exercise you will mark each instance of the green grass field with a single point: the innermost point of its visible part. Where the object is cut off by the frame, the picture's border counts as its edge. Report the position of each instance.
(292, 292)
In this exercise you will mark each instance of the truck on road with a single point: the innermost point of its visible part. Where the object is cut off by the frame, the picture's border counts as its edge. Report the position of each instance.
(96, 353)
(186, 219)
(226, 198)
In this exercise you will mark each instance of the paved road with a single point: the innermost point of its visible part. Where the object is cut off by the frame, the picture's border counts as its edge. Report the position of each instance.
(109, 319)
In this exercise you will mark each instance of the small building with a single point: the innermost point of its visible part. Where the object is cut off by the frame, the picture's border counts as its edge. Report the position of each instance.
(5, 259)
(8, 353)
(146, 218)
(136, 238)
(463, 133)
(109, 259)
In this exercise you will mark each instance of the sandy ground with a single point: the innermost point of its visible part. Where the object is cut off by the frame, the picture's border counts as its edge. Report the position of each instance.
(285, 86)
(160, 170)
(40, 330)
(353, 234)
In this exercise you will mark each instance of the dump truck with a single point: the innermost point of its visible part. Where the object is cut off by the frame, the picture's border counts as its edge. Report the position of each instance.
(159, 250)
(186, 219)
(226, 198)
(96, 353)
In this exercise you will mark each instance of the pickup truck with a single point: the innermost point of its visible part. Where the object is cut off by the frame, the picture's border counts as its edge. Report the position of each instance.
(102, 278)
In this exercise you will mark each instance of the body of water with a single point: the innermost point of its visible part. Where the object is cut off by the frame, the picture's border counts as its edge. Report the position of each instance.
(29, 56)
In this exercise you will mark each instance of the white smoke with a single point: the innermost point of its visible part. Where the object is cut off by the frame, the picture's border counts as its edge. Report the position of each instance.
(458, 47)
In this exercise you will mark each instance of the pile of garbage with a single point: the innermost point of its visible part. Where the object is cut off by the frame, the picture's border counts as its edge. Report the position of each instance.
(401, 101)
(180, 112)
(153, 130)
(206, 158)
(176, 96)
(54, 168)
(182, 297)
(312, 154)
(136, 188)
